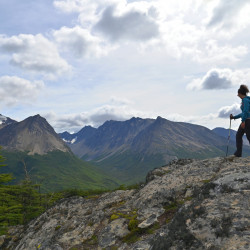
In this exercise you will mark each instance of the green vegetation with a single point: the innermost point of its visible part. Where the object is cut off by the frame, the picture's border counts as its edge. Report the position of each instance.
(56, 171)
(209, 152)
(129, 167)
(92, 241)
(135, 232)
(18, 203)
(58, 227)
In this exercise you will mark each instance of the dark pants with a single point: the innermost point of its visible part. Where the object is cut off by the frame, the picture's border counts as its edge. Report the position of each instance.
(239, 136)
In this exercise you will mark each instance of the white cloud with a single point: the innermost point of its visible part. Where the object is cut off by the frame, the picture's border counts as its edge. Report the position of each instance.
(174, 28)
(35, 54)
(230, 15)
(147, 62)
(80, 42)
(212, 53)
(132, 25)
(220, 79)
(214, 79)
(69, 6)
(118, 110)
(14, 90)
(225, 112)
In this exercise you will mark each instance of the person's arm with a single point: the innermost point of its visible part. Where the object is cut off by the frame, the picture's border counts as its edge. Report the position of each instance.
(237, 116)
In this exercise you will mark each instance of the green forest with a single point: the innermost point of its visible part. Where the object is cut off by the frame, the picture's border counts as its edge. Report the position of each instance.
(21, 202)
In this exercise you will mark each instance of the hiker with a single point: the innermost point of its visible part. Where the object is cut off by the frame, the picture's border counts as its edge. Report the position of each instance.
(245, 119)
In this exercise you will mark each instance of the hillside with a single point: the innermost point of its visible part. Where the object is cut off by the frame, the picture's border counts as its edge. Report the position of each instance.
(128, 150)
(56, 171)
(224, 133)
(188, 204)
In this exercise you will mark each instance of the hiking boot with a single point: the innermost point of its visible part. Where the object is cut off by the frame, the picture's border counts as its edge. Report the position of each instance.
(236, 154)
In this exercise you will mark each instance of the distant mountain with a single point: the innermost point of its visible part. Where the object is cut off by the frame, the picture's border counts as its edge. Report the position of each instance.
(33, 135)
(4, 120)
(110, 138)
(33, 148)
(129, 149)
(84, 133)
(225, 133)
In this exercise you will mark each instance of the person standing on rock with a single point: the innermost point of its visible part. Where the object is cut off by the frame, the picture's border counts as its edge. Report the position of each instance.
(245, 119)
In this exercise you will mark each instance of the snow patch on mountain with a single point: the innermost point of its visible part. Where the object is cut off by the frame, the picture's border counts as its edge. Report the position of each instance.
(70, 141)
(2, 119)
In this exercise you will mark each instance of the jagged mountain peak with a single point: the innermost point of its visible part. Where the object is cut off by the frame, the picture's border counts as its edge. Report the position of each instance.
(35, 119)
(38, 123)
(34, 135)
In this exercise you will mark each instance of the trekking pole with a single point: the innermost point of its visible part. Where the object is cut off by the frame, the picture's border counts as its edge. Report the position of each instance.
(228, 139)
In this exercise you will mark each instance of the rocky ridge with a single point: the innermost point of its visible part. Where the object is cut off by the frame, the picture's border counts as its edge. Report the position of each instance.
(144, 136)
(187, 204)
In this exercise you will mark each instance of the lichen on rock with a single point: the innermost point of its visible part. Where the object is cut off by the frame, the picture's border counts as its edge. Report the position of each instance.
(188, 204)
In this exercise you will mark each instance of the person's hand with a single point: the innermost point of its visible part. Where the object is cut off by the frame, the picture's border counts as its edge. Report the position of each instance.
(231, 116)
(243, 125)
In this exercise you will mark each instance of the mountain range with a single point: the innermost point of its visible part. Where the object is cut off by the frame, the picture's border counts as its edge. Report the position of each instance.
(117, 152)
(127, 150)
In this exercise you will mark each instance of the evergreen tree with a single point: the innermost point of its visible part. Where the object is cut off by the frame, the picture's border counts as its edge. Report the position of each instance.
(4, 178)
(9, 208)
(18, 203)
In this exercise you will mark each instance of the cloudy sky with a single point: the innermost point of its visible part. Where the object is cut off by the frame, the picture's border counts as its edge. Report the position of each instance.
(82, 62)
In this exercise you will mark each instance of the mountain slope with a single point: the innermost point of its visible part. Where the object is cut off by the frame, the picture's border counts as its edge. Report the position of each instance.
(225, 133)
(129, 149)
(111, 137)
(165, 135)
(56, 171)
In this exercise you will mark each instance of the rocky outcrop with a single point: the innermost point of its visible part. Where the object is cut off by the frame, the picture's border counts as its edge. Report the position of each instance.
(188, 204)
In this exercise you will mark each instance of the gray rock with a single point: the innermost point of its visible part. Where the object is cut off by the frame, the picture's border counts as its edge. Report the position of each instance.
(148, 222)
(188, 204)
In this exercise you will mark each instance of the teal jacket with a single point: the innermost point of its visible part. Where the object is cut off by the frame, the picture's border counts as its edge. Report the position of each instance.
(245, 107)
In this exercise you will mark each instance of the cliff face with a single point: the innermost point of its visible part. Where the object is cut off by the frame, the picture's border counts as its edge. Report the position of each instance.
(188, 204)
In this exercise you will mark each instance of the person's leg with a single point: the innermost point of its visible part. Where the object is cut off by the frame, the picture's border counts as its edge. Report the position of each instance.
(239, 141)
(247, 129)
